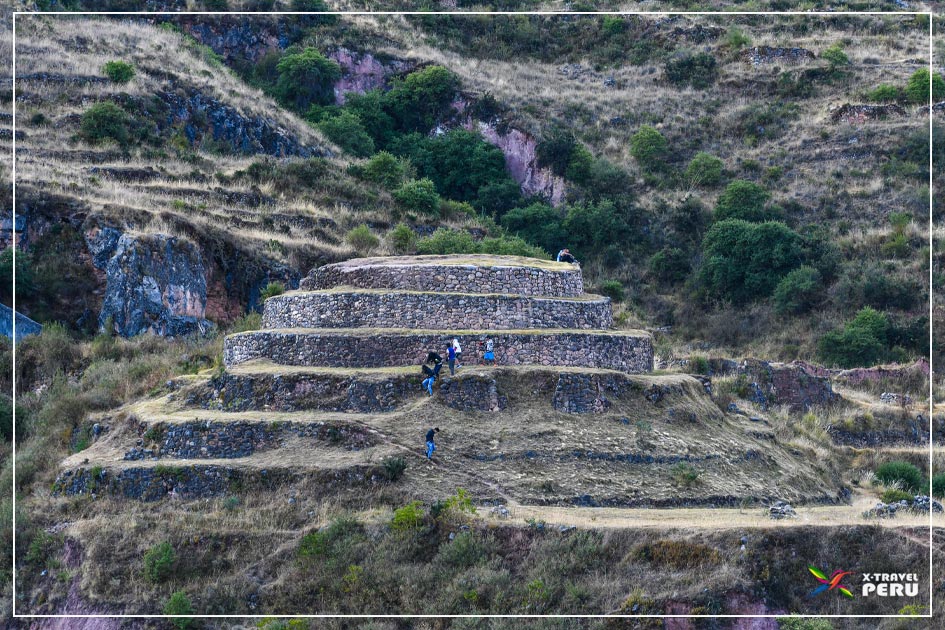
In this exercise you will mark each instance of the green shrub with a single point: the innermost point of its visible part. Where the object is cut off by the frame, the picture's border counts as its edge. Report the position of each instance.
(699, 365)
(612, 289)
(835, 56)
(6, 418)
(735, 38)
(408, 517)
(118, 71)
(705, 170)
(861, 342)
(179, 604)
(538, 223)
(917, 90)
(420, 196)
(388, 171)
(446, 241)
(402, 239)
(670, 265)
(649, 148)
(698, 69)
(884, 93)
(347, 132)
(394, 468)
(895, 496)
(249, 321)
(306, 78)
(800, 623)
(159, 562)
(745, 261)
(510, 246)
(938, 485)
(798, 291)
(105, 121)
(906, 474)
(743, 200)
(329, 541)
(362, 239)
(684, 474)
(465, 550)
(272, 289)
(417, 101)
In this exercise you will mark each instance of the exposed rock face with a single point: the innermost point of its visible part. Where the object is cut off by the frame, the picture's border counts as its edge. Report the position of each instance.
(201, 114)
(521, 159)
(787, 384)
(856, 376)
(236, 39)
(377, 309)
(423, 273)
(363, 72)
(758, 55)
(154, 283)
(859, 114)
(24, 325)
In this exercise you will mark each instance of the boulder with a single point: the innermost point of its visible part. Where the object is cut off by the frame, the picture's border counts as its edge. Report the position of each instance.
(155, 283)
(791, 384)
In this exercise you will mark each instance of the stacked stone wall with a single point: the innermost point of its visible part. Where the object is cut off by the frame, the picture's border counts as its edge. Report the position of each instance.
(416, 310)
(449, 278)
(625, 352)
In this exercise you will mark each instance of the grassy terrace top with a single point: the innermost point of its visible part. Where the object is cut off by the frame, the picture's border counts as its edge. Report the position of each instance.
(586, 297)
(463, 260)
(369, 332)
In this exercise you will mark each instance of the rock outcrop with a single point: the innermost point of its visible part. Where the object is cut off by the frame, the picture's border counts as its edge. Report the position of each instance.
(521, 160)
(154, 283)
(362, 72)
(24, 325)
(758, 55)
(859, 114)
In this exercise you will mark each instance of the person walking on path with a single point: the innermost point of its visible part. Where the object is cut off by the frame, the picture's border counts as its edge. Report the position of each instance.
(429, 377)
(451, 359)
(459, 352)
(431, 446)
(489, 355)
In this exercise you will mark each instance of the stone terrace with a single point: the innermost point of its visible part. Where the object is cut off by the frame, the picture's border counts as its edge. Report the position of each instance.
(390, 312)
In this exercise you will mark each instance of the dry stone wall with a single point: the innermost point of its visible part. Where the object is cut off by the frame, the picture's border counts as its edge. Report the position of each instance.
(626, 352)
(449, 278)
(433, 311)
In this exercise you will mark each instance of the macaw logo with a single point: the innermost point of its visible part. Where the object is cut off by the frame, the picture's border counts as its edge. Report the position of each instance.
(831, 583)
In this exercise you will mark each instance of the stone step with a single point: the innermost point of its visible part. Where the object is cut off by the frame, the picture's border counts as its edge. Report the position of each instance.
(626, 351)
(395, 308)
(471, 273)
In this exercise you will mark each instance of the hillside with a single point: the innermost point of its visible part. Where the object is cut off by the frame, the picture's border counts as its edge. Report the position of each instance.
(212, 411)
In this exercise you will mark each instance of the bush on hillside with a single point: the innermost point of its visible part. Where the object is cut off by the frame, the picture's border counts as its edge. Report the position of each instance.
(835, 56)
(555, 150)
(917, 90)
(346, 131)
(271, 290)
(306, 78)
(370, 108)
(695, 69)
(670, 265)
(591, 227)
(446, 241)
(362, 239)
(417, 101)
(884, 93)
(938, 485)
(179, 604)
(539, 224)
(905, 474)
(118, 71)
(861, 342)
(649, 148)
(744, 261)
(705, 170)
(612, 289)
(743, 200)
(105, 121)
(388, 171)
(799, 291)
(408, 517)
(159, 562)
(420, 196)
(402, 239)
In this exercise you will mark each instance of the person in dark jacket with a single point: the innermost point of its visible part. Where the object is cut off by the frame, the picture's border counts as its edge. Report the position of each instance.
(565, 256)
(430, 444)
(430, 374)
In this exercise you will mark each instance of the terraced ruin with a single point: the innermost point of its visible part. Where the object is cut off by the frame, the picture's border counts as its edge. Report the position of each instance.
(330, 388)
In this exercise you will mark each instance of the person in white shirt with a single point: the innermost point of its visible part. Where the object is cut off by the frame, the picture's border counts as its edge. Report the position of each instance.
(459, 351)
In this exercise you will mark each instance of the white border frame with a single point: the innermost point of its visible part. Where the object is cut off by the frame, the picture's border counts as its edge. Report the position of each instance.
(931, 17)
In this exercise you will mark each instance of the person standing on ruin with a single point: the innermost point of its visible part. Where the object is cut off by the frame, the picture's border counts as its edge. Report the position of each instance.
(459, 351)
(431, 446)
(451, 359)
(489, 356)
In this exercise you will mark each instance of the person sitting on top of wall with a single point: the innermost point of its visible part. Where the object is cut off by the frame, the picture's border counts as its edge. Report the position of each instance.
(565, 256)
